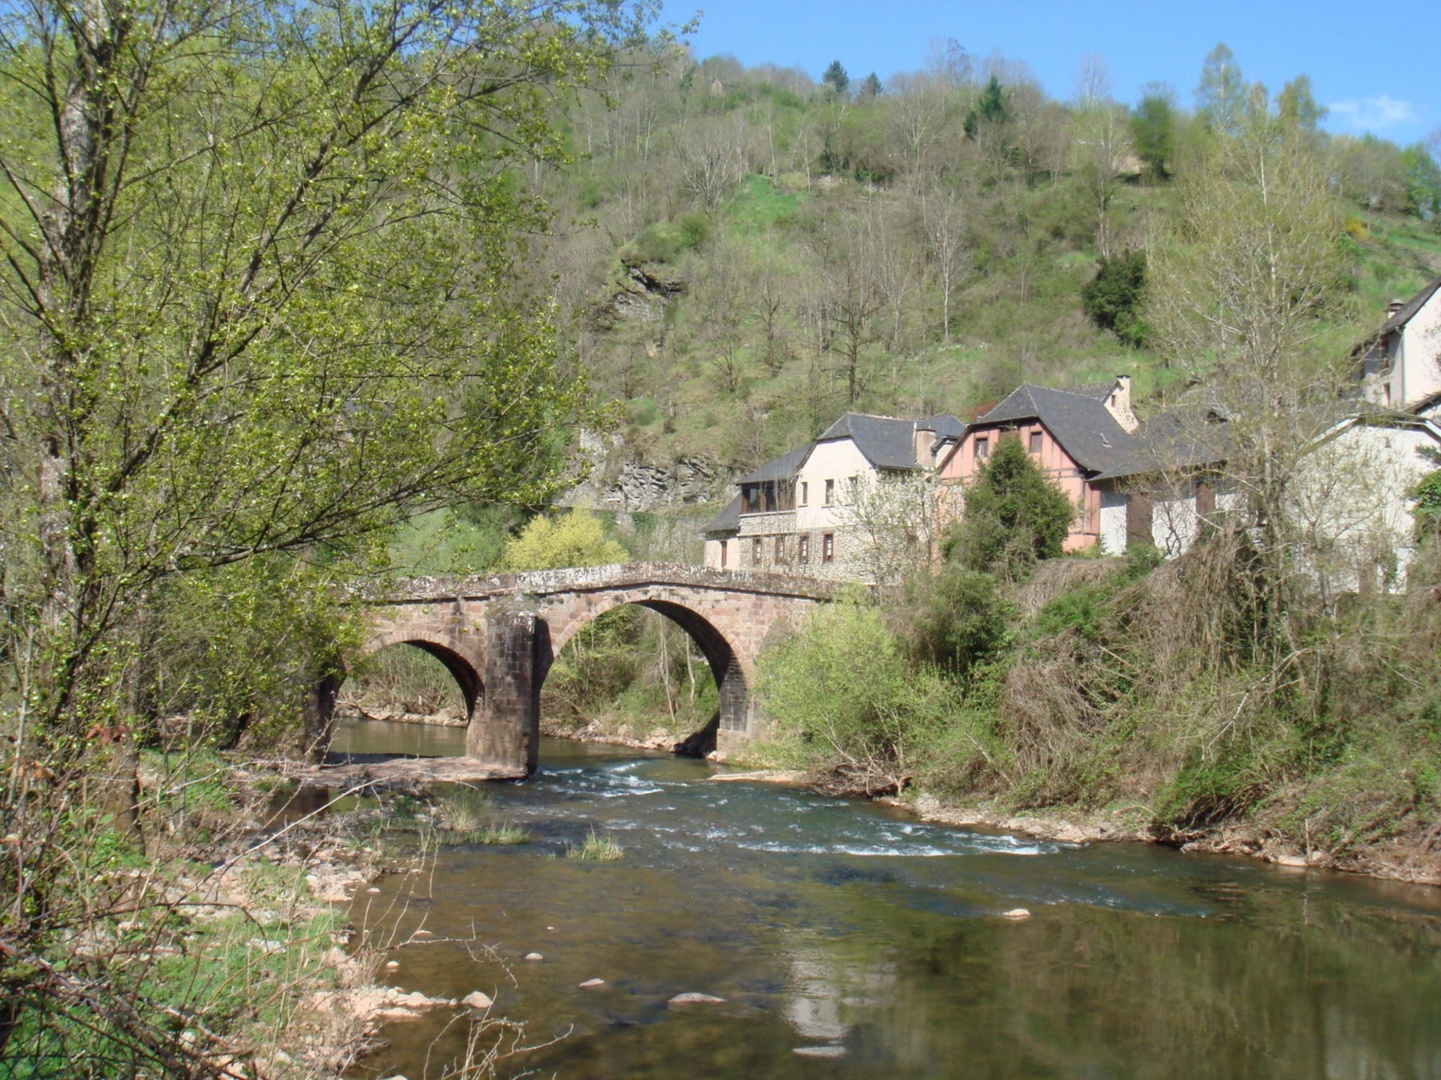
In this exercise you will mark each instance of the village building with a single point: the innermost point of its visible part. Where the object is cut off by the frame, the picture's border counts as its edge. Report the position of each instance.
(1400, 364)
(795, 513)
(1073, 435)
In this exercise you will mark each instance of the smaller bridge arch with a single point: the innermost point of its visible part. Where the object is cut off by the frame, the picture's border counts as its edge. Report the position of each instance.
(498, 635)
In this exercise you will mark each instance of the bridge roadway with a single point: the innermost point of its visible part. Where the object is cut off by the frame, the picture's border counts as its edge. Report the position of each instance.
(499, 634)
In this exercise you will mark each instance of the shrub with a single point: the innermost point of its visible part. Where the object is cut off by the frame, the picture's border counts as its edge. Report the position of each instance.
(958, 619)
(848, 706)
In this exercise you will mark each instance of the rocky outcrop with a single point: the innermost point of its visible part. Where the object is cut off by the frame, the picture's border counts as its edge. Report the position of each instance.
(609, 478)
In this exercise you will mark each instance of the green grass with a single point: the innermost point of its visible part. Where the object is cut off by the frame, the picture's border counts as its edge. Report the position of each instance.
(760, 205)
(596, 848)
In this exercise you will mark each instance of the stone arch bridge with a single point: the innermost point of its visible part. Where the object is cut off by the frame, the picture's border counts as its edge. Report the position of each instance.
(498, 636)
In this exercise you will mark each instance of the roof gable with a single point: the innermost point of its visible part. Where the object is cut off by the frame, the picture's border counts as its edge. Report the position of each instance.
(884, 441)
(1092, 437)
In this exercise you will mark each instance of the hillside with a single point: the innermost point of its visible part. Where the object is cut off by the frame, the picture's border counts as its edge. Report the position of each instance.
(742, 255)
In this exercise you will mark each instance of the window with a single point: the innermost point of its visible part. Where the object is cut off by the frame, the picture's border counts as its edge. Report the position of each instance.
(828, 547)
(1035, 442)
(724, 544)
(830, 492)
(780, 549)
(983, 447)
(756, 551)
(805, 494)
(803, 547)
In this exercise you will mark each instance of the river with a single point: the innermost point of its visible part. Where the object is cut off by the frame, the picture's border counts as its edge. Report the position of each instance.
(850, 940)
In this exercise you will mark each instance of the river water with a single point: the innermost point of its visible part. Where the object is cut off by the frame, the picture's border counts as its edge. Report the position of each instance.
(852, 941)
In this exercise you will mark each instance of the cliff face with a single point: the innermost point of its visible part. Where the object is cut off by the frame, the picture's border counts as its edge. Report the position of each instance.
(615, 479)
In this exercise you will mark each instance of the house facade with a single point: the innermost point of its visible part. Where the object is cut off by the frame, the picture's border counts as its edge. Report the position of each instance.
(797, 513)
(1400, 364)
(1072, 435)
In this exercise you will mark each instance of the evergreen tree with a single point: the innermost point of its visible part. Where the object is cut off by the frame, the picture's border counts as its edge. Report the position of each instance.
(1013, 515)
(836, 78)
(1113, 299)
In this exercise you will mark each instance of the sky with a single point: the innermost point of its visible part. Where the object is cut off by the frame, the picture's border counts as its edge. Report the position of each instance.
(1376, 66)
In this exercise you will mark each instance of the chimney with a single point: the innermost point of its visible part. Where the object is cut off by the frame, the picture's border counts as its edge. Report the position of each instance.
(1119, 403)
(1393, 307)
(925, 441)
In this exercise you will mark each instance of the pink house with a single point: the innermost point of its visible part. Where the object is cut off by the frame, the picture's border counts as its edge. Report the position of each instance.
(1073, 435)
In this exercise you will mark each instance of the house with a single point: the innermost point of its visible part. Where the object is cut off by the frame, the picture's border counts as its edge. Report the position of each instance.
(1350, 506)
(1172, 483)
(797, 512)
(1074, 436)
(1400, 364)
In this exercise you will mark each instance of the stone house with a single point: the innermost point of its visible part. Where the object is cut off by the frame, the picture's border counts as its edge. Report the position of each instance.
(1074, 436)
(1400, 363)
(793, 513)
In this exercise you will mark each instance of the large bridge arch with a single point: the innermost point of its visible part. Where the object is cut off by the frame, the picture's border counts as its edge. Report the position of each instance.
(733, 675)
(463, 669)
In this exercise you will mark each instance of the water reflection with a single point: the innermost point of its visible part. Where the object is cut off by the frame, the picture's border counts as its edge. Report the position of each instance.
(835, 928)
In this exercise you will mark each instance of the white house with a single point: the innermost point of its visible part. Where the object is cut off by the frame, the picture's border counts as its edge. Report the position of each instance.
(796, 513)
(1401, 361)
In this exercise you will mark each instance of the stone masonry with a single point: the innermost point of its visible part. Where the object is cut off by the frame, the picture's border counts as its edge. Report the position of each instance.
(499, 634)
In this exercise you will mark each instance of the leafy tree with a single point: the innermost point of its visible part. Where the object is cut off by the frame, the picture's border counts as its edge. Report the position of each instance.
(1013, 516)
(1221, 95)
(1114, 299)
(575, 539)
(1297, 105)
(836, 78)
(957, 618)
(212, 350)
(846, 703)
(1423, 184)
(1153, 132)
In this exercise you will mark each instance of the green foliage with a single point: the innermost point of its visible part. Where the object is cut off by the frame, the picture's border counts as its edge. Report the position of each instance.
(957, 618)
(836, 78)
(1423, 184)
(847, 704)
(989, 108)
(1115, 298)
(666, 241)
(1013, 517)
(1426, 495)
(575, 539)
(596, 848)
(1153, 133)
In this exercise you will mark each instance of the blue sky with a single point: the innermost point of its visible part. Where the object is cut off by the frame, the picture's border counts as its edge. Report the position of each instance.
(1377, 66)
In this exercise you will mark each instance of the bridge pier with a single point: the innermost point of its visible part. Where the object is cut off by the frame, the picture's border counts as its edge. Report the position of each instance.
(506, 730)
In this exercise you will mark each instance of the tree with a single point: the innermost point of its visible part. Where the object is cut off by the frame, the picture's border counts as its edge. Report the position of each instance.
(1013, 516)
(1297, 105)
(550, 543)
(1153, 131)
(1221, 95)
(989, 109)
(259, 307)
(1423, 184)
(213, 350)
(1114, 298)
(870, 88)
(1246, 288)
(893, 516)
(836, 78)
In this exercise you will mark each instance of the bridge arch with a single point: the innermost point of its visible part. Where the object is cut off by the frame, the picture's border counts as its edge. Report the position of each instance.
(462, 668)
(727, 668)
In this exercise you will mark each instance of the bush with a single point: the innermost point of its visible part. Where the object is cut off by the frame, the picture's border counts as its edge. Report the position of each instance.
(958, 619)
(848, 706)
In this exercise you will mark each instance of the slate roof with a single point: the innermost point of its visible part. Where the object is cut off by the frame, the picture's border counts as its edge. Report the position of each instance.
(1082, 424)
(1395, 323)
(728, 520)
(1185, 436)
(1098, 390)
(888, 442)
(777, 468)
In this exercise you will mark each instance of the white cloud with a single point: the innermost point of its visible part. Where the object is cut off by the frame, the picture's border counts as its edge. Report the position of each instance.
(1372, 114)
